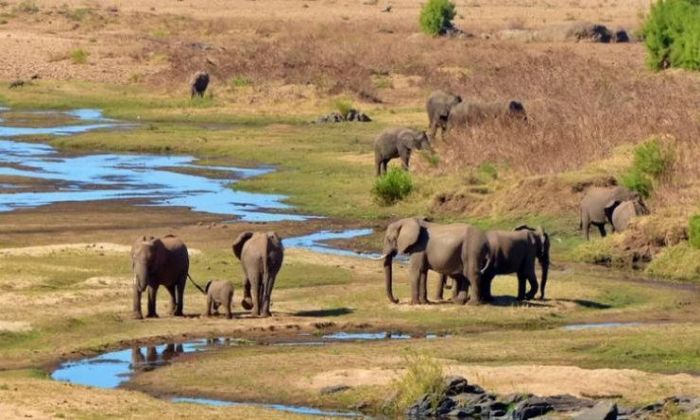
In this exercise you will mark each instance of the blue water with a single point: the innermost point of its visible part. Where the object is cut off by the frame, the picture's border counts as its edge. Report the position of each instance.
(146, 177)
(594, 325)
(315, 242)
(309, 411)
(344, 336)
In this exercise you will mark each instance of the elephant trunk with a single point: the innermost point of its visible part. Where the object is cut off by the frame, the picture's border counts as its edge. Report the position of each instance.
(544, 263)
(140, 277)
(388, 259)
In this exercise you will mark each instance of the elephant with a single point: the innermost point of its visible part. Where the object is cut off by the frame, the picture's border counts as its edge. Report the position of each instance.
(398, 142)
(159, 261)
(599, 203)
(261, 255)
(625, 211)
(515, 252)
(439, 106)
(199, 83)
(459, 251)
(472, 113)
(219, 292)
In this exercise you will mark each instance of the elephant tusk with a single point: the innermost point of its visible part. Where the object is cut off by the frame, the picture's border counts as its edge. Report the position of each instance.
(380, 258)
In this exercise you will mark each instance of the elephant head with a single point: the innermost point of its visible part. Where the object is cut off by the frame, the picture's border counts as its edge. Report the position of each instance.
(417, 140)
(400, 236)
(148, 255)
(640, 207)
(540, 241)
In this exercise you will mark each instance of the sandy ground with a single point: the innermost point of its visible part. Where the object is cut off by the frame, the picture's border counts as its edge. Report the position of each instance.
(535, 379)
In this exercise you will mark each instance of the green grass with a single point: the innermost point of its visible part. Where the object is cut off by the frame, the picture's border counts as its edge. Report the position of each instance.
(679, 262)
(79, 56)
(392, 187)
(424, 375)
(436, 16)
(694, 231)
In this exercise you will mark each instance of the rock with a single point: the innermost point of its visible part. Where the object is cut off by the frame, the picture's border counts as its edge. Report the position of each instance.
(601, 411)
(422, 408)
(531, 407)
(445, 406)
(512, 399)
(333, 389)
(352, 115)
(593, 32)
(454, 385)
(568, 403)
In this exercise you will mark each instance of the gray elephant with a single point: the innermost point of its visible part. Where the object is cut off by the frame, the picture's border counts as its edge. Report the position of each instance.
(459, 251)
(468, 114)
(261, 255)
(623, 213)
(219, 292)
(599, 203)
(199, 83)
(398, 142)
(159, 261)
(439, 106)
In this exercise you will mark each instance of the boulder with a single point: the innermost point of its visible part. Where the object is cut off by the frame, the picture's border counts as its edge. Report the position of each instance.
(601, 411)
(585, 31)
(454, 385)
(531, 407)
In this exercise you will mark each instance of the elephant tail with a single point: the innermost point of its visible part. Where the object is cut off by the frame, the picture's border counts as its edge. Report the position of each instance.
(487, 265)
(195, 284)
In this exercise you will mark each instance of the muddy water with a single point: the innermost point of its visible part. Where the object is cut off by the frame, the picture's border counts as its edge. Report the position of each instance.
(113, 369)
(151, 178)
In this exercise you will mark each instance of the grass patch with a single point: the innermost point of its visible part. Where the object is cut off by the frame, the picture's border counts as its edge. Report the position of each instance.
(392, 187)
(343, 107)
(26, 6)
(79, 56)
(240, 81)
(679, 262)
(423, 376)
(436, 16)
(672, 35)
(694, 231)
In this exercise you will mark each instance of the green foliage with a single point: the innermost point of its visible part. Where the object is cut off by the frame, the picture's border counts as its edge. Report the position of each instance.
(79, 56)
(26, 6)
(436, 16)
(488, 169)
(393, 186)
(343, 107)
(651, 160)
(239, 81)
(672, 34)
(679, 262)
(694, 231)
(423, 376)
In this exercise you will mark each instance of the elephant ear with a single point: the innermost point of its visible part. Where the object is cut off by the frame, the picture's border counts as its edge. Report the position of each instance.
(523, 227)
(409, 233)
(543, 240)
(609, 208)
(239, 242)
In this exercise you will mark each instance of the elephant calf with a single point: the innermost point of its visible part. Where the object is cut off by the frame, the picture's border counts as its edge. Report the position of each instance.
(470, 113)
(199, 83)
(219, 292)
(261, 255)
(598, 206)
(439, 106)
(623, 214)
(398, 142)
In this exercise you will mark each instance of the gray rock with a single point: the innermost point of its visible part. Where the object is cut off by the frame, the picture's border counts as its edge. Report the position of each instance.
(531, 407)
(445, 406)
(333, 389)
(593, 32)
(454, 385)
(601, 411)
(569, 403)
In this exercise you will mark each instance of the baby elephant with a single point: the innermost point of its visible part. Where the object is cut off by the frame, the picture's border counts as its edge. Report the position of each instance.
(219, 292)
(199, 84)
(623, 213)
(470, 113)
(398, 142)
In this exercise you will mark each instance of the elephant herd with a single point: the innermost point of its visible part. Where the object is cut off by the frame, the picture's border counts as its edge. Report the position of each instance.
(165, 262)
(614, 205)
(446, 111)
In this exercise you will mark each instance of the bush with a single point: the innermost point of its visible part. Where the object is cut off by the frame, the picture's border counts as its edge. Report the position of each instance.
(343, 107)
(636, 180)
(393, 186)
(436, 16)
(672, 34)
(79, 56)
(651, 160)
(694, 231)
(423, 376)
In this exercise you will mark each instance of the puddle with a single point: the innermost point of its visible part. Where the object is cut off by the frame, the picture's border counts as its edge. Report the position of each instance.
(309, 411)
(315, 242)
(127, 176)
(594, 325)
(344, 336)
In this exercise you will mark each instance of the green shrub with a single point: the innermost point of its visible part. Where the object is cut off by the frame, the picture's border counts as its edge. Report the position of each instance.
(672, 34)
(343, 107)
(423, 376)
(79, 56)
(694, 231)
(679, 262)
(393, 186)
(638, 181)
(436, 16)
(240, 81)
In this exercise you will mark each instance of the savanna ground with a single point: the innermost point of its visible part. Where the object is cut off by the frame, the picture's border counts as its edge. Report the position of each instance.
(277, 65)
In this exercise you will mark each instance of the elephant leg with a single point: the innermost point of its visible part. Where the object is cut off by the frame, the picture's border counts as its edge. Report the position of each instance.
(247, 302)
(173, 298)
(180, 300)
(601, 229)
(229, 315)
(385, 163)
(423, 287)
(152, 292)
(415, 274)
(433, 129)
(460, 292)
(521, 285)
(439, 294)
(255, 289)
(586, 225)
(269, 282)
(405, 158)
(476, 282)
(532, 279)
(210, 304)
(137, 302)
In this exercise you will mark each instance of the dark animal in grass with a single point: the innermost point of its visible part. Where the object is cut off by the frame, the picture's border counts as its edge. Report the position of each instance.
(219, 292)
(468, 114)
(199, 84)
(398, 143)
(439, 106)
(598, 206)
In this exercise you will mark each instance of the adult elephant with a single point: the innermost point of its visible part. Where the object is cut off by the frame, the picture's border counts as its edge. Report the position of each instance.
(199, 84)
(456, 250)
(159, 261)
(623, 213)
(473, 113)
(439, 106)
(261, 255)
(398, 142)
(599, 203)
